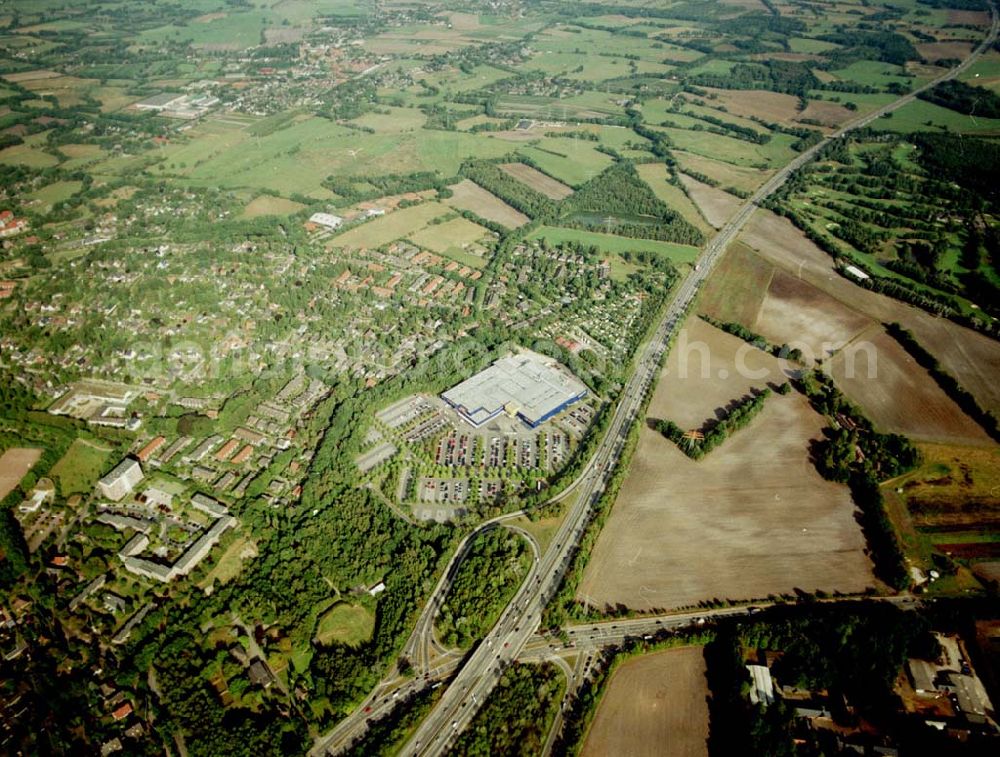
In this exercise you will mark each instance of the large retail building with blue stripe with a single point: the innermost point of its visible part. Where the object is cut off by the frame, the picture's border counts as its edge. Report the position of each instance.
(527, 385)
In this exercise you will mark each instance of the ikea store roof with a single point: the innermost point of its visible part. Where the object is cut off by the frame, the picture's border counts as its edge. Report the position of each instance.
(528, 384)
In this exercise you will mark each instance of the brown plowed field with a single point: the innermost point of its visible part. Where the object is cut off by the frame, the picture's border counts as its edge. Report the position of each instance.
(796, 313)
(551, 188)
(900, 396)
(14, 464)
(655, 705)
(717, 206)
(706, 370)
(972, 358)
(750, 519)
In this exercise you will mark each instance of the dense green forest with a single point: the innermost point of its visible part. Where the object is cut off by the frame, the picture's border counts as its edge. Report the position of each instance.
(964, 98)
(484, 582)
(777, 76)
(516, 717)
(618, 200)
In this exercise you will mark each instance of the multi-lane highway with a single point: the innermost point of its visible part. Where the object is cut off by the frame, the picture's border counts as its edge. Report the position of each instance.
(476, 676)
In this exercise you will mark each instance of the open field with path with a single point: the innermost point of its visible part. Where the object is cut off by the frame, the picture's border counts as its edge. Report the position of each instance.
(654, 705)
(717, 206)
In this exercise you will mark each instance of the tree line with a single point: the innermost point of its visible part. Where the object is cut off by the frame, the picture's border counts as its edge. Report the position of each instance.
(853, 452)
(736, 416)
(962, 397)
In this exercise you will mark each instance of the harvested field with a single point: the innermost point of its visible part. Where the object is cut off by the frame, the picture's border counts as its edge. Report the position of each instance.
(470, 196)
(750, 519)
(707, 369)
(971, 550)
(654, 705)
(771, 106)
(827, 113)
(554, 190)
(952, 50)
(797, 313)
(972, 358)
(728, 175)
(988, 571)
(14, 464)
(900, 396)
(24, 76)
(269, 205)
(717, 206)
(735, 291)
(974, 18)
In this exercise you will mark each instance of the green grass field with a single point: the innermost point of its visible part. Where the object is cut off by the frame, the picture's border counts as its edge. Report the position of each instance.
(450, 236)
(25, 155)
(346, 623)
(776, 152)
(924, 116)
(872, 73)
(297, 158)
(56, 192)
(572, 161)
(396, 120)
(78, 470)
(807, 45)
(392, 226)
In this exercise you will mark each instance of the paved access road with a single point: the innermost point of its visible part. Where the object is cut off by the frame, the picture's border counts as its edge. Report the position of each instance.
(477, 676)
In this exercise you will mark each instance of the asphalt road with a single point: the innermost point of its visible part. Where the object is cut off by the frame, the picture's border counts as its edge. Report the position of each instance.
(477, 676)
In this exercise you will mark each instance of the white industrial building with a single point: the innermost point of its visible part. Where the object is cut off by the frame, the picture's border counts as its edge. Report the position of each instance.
(761, 685)
(328, 220)
(527, 385)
